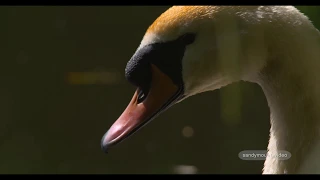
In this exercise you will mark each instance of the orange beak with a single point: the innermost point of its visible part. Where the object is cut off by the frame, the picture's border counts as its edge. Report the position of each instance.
(162, 94)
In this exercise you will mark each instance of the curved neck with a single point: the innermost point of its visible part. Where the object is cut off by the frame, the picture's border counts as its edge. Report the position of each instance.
(292, 88)
(294, 120)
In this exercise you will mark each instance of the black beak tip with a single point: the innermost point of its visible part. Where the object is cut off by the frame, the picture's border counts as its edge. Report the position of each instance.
(104, 145)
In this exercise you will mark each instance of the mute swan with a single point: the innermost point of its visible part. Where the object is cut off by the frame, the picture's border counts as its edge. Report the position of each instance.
(193, 49)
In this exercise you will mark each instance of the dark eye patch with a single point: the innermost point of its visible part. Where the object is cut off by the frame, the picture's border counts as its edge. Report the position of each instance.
(187, 38)
(138, 70)
(167, 56)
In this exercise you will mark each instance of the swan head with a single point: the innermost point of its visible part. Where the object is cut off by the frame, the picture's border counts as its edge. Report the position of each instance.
(186, 51)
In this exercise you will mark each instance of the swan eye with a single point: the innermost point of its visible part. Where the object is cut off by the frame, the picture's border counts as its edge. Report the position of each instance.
(188, 38)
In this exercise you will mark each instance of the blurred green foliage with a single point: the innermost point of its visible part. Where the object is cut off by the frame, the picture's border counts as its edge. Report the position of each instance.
(313, 12)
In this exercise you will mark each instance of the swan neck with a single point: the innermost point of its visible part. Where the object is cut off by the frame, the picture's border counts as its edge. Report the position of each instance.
(292, 95)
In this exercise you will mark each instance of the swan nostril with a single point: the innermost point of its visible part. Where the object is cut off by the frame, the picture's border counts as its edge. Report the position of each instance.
(141, 96)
